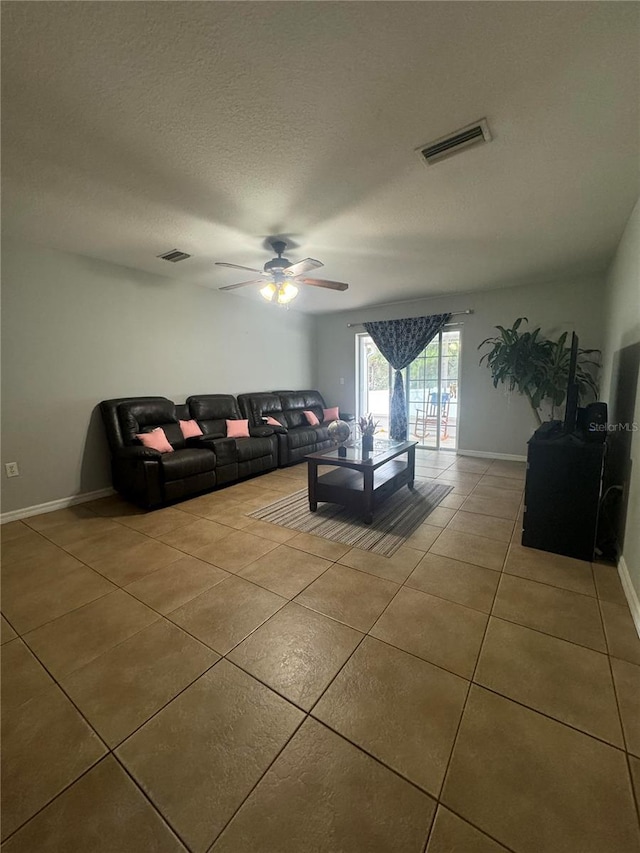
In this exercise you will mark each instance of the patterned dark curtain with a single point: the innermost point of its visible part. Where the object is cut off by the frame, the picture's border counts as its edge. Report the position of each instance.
(401, 342)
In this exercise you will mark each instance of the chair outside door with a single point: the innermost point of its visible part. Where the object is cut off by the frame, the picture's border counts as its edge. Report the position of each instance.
(426, 421)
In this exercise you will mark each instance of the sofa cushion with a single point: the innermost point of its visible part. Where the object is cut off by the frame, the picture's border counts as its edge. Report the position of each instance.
(256, 406)
(190, 428)
(312, 418)
(187, 463)
(237, 428)
(138, 416)
(307, 436)
(212, 411)
(331, 414)
(253, 448)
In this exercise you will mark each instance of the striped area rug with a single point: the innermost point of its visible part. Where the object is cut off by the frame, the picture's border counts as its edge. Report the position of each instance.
(393, 522)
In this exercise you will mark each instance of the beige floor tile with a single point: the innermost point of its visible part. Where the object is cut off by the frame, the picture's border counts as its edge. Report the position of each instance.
(425, 472)
(179, 582)
(634, 766)
(30, 554)
(68, 515)
(463, 583)
(468, 548)
(468, 463)
(622, 638)
(270, 531)
(297, 652)
(460, 478)
(102, 812)
(318, 546)
(73, 532)
(489, 506)
(112, 507)
(560, 679)
(440, 516)
(452, 501)
(627, 681)
(233, 515)
(158, 522)
(396, 568)
(30, 605)
(436, 630)
(104, 545)
(423, 537)
(6, 631)
(507, 468)
(224, 615)
(451, 834)
(488, 526)
(45, 746)
(136, 562)
(13, 530)
(121, 689)
(399, 708)
(76, 638)
(350, 596)
(22, 675)
(197, 534)
(608, 584)
(322, 795)
(202, 754)
(205, 504)
(236, 551)
(285, 571)
(554, 611)
(537, 785)
(509, 483)
(554, 569)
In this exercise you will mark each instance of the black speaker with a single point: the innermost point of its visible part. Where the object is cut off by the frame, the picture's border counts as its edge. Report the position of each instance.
(595, 417)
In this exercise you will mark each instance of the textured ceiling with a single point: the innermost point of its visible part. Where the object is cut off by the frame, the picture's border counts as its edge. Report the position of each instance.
(133, 128)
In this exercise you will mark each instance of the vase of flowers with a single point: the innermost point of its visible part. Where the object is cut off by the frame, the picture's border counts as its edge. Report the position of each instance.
(367, 429)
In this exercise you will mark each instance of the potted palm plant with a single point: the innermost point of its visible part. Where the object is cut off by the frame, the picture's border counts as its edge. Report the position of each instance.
(538, 367)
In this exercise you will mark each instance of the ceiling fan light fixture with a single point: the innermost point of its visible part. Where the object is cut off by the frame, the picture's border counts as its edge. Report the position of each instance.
(268, 291)
(287, 293)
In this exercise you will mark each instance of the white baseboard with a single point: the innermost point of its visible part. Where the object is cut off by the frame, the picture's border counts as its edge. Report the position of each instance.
(630, 592)
(50, 506)
(485, 454)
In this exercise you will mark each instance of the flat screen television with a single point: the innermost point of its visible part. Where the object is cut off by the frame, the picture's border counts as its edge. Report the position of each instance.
(571, 408)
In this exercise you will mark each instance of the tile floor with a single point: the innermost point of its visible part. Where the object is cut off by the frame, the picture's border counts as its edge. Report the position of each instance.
(194, 679)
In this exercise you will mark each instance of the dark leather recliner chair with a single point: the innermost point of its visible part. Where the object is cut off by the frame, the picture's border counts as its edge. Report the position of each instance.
(296, 438)
(146, 476)
(251, 455)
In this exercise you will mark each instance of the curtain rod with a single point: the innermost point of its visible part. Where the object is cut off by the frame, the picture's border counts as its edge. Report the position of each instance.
(453, 314)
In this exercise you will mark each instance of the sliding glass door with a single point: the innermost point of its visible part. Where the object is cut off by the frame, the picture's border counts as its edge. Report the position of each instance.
(431, 385)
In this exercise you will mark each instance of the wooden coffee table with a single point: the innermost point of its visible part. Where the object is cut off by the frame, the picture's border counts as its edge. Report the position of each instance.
(361, 480)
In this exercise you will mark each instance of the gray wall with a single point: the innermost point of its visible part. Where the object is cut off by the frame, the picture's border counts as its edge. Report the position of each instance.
(622, 387)
(490, 419)
(76, 331)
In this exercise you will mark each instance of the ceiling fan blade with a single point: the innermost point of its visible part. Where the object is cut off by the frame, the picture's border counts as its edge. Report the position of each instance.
(236, 267)
(322, 282)
(303, 266)
(242, 284)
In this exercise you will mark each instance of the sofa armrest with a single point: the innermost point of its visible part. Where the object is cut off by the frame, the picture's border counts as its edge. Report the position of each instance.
(203, 441)
(262, 431)
(346, 416)
(135, 452)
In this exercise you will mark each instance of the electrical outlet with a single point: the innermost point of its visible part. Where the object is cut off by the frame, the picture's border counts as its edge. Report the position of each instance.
(12, 469)
(342, 380)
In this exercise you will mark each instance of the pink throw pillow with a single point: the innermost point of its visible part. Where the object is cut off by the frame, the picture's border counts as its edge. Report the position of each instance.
(331, 414)
(272, 421)
(311, 418)
(238, 429)
(190, 429)
(156, 440)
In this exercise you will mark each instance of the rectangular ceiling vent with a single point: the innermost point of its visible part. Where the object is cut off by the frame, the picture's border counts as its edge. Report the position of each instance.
(467, 137)
(174, 256)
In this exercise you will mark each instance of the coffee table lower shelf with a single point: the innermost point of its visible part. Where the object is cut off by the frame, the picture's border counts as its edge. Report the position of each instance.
(355, 489)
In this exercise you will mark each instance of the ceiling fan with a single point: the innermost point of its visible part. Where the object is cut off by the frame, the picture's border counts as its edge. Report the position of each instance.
(279, 277)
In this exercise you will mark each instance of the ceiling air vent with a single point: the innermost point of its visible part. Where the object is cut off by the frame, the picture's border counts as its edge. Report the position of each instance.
(174, 256)
(467, 137)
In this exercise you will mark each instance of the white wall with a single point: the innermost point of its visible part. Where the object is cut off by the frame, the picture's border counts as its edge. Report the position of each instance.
(490, 419)
(622, 388)
(77, 331)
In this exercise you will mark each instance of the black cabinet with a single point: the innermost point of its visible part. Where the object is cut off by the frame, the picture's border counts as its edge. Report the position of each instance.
(562, 495)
